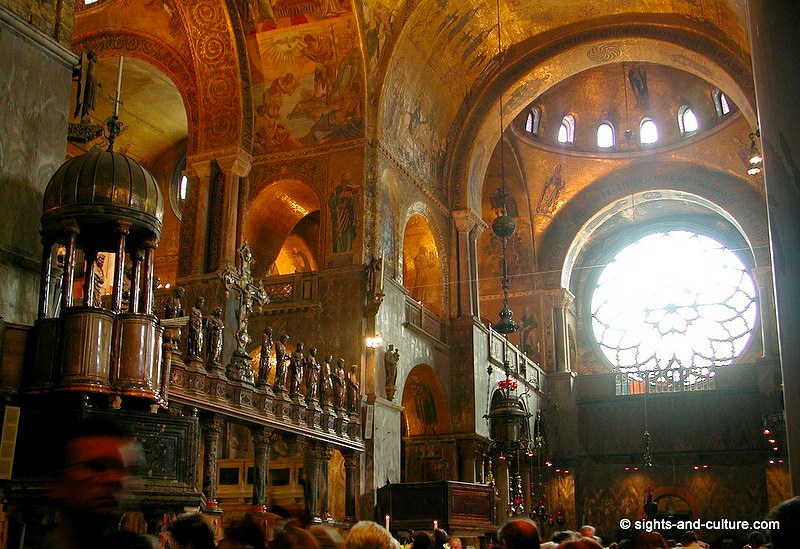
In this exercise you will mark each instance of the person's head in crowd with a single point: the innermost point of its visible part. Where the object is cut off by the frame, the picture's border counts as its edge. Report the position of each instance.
(565, 535)
(366, 534)
(582, 543)
(518, 534)
(92, 462)
(587, 531)
(558, 538)
(671, 543)
(688, 537)
(756, 539)
(328, 537)
(243, 533)
(421, 540)
(787, 517)
(92, 459)
(648, 540)
(625, 544)
(191, 532)
(455, 543)
(440, 537)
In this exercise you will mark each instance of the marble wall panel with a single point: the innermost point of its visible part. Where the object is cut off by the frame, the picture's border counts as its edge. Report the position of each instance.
(34, 100)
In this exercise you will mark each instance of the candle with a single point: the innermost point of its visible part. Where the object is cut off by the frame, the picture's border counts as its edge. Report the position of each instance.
(380, 276)
(387, 521)
(435, 524)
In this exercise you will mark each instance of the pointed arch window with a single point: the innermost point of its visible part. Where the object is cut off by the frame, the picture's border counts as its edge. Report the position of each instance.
(687, 121)
(566, 132)
(532, 121)
(721, 102)
(648, 132)
(605, 135)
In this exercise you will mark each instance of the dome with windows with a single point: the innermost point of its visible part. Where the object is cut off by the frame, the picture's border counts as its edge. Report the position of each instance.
(623, 108)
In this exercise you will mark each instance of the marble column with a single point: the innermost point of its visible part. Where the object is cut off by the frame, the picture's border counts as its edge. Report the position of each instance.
(44, 280)
(503, 483)
(211, 427)
(469, 227)
(467, 460)
(352, 461)
(137, 259)
(525, 473)
(235, 169)
(775, 49)
(312, 466)
(560, 300)
(766, 299)
(325, 455)
(122, 231)
(210, 230)
(71, 231)
(147, 283)
(262, 443)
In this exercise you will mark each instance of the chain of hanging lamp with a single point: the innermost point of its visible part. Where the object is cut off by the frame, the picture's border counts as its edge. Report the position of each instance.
(504, 225)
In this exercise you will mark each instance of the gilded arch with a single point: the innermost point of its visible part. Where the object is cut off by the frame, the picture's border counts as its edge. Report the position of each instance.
(201, 59)
(426, 213)
(553, 56)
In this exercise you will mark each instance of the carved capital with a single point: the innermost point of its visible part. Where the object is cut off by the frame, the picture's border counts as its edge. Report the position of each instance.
(122, 228)
(466, 220)
(211, 426)
(352, 460)
(262, 437)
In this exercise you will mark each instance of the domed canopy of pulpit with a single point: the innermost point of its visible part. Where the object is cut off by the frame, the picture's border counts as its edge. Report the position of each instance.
(101, 187)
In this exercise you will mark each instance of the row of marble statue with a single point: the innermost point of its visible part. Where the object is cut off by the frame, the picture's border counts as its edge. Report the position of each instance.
(299, 376)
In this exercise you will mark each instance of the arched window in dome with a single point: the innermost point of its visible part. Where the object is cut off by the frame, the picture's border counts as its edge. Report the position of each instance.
(687, 121)
(605, 135)
(532, 121)
(566, 132)
(648, 132)
(721, 103)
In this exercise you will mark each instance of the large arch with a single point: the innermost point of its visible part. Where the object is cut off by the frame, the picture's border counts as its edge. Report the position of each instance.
(426, 410)
(196, 48)
(534, 66)
(274, 213)
(435, 237)
(725, 192)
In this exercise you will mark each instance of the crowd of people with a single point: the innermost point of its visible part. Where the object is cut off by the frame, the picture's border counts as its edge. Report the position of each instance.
(94, 457)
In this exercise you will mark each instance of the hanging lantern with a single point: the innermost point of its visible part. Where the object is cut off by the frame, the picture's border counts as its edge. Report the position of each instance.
(507, 417)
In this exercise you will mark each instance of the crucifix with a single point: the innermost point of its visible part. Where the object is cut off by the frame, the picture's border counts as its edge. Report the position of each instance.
(249, 295)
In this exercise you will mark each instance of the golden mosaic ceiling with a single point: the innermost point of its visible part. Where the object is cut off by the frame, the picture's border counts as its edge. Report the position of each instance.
(430, 68)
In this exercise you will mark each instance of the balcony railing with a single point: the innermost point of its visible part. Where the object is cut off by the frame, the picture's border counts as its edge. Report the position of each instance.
(669, 380)
(423, 319)
(294, 288)
(501, 350)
